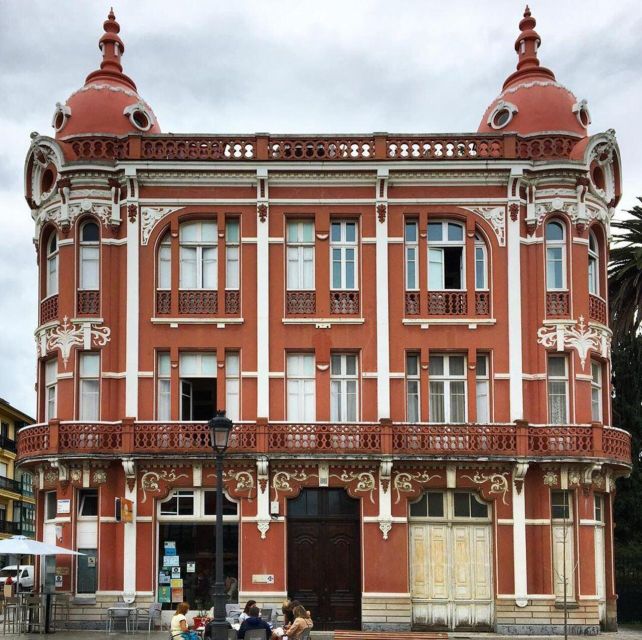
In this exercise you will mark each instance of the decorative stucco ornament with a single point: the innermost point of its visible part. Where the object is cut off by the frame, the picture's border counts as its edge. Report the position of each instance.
(150, 217)
(496, 216)
(498, 482)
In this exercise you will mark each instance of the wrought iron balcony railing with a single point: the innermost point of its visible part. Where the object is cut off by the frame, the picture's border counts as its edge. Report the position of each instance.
(511, 440)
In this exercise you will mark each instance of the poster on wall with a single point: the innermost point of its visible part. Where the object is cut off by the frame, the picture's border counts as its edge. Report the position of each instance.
(171, 561)
(163, 577)
(191, 567)
(177, 583)
(169, 547)
(176, 572)
(164, 594)
(177, 595)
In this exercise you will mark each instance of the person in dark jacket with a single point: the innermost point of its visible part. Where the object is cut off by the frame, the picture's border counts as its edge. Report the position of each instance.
(255, 622)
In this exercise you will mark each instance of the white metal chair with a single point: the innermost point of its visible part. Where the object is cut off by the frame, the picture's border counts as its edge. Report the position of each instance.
(150, 614)
(12, 618)
(254, 634)
(120, 611)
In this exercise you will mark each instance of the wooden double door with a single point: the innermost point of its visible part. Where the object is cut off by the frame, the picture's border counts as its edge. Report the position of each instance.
(324, 557)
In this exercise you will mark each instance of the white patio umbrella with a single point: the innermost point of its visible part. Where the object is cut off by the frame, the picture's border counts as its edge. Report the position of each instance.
(23, 546)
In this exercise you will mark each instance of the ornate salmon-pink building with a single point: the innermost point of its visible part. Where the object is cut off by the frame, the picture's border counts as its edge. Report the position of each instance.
(410, 332)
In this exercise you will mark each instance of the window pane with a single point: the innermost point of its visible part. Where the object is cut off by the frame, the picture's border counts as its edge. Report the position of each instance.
(351, 365)
(480, 268)
(462, 505)
(411, 232)
(457, 401)
(232, 231)
(412, 364)
(554, 231)
(89, 399)
(164, 267)
(435, 505)
(188, 268)
(457, 365)
(453, 267)
(232, 364)
(419, 509)
(209, 268)
(89, 365)
(336, 268)
(411, 268)
(554, 268)
(557, 401)
(89, 267)
(482, 365)
(335, 232)
(478, 509)
(455, 232)
(307, 231)
(208, 364)
(335, 400)
(335, 367)
(51, 371)
(557, 366)
(208, 232)
(413, 400)
(232, 268)
(435, 232)
(437, 409)
(436, 366)
(189, 232)
(351, 400)
(435, 269)
(350, 279)
(163, 364)
(90, 232)
(351, 232)
(483, 414)
(164, 400)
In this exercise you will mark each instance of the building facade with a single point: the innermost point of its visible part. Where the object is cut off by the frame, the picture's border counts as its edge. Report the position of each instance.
(17, 500)
(409, 331)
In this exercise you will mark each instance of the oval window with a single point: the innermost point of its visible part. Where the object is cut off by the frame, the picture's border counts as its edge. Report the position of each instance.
(47, 180)
(501, 118)
(140, 119)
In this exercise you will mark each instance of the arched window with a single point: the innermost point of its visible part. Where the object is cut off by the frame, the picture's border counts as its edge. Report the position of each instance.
(89, 256)
(52, 266)
(481, 263)
(198, 255)
(593, 265)
(165, 263)
(446, 241)
(555, 256)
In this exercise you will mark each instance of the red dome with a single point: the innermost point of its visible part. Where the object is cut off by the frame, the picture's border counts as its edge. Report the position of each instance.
(531, 100)
(108, 103)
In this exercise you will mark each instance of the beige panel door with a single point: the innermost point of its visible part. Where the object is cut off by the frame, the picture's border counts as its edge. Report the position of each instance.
(563, 563)
(451, 581)
(600, 571)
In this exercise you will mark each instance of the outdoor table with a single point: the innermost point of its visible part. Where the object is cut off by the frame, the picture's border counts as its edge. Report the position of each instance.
(128, 609)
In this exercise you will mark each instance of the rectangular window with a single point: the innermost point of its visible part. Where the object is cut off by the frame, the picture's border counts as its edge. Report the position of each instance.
(599, 507)
(411, 238)
(301, 387)
(51, 379)
(3, 470)
(482, 387)
(596, 391)
(555, 268)
(197, 371)
(557, 389)
(89, 267)
(300, 255)
(447, 388)
(344, 380)
(232, 255)
(430, 505)
(343, 254)
(180, 504)
(88, 502)
(52, 274)
(445, 256)
(198, 255)
(165, 264)
(89, 382)
(51, 505)
(233, 385)
(412, 387)
(560, 505)
(164, 397)
(480, 267)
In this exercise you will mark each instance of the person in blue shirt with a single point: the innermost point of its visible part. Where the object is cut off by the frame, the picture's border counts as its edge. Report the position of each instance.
(254, 621)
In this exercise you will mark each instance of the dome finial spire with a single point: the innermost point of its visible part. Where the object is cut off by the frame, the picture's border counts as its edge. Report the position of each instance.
(527, 45)
(112, 48)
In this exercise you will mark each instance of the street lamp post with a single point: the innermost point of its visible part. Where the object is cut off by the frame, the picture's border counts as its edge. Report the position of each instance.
(220, 427)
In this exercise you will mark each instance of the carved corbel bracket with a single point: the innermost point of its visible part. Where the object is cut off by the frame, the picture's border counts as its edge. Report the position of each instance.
(129, 466)
(519, 475)
(587, 473)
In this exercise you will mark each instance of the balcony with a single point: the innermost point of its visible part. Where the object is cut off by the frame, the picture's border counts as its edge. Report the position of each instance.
(8, 444)
(49, 309)
(597, 309)
(8, 484)
(557, 304)
(497, 441)
(88, 303)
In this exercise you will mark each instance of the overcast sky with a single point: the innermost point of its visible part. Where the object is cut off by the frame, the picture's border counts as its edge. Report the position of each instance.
(291, 66)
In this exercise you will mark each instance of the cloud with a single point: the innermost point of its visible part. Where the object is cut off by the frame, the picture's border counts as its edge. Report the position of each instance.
(291, 66)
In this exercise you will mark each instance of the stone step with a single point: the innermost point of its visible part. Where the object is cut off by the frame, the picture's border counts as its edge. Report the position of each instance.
(386, 635)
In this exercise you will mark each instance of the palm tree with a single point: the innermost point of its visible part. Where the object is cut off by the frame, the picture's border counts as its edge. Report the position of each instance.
(625, 275)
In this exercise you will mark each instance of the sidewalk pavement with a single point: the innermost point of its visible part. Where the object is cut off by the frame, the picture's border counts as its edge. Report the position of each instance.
(626, 632)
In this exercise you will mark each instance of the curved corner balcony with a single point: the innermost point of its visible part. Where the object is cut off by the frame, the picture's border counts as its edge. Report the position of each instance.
(511, 441)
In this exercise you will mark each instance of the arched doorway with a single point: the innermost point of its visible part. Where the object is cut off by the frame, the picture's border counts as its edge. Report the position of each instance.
(451, 561)
(324, 556)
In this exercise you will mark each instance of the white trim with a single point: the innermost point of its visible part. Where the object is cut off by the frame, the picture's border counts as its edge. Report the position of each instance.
(64, 243)
(63, 376)
(382, 315)
(520, 566)
(262, 304)
(248, 240)
(505, 521)
(538, 521)
(501, 376)
(323, 321)
(532, 240)
(144, 519)
(145, 374)
(277, 374)
(384, 594)
(446, 321)
(249, 374)
(113, 374)
(376, 519)
(222, 321)
(533, 376)
(531, 596)
(580, 241)
(583, 377)
(369, 374)
(132, 316)
(114, 241)
(276, 240)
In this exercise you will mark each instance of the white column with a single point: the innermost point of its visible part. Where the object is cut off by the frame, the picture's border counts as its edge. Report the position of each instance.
(515, 320)
(129, 548)
(132, 313)
(383, 322)
(519, 534)
(262, 299)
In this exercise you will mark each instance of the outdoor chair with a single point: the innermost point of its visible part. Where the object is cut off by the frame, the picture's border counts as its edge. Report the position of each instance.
(266, 614)
(60, 611)
(119, 611)
(232, 635)
(150, 614)
(12, 615)
(254, 634)
(305, 635)
(32, 612)
(232, 613)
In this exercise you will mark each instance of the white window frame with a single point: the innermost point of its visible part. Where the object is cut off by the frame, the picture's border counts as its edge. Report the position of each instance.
(552, 245)
(232, 255)
(439, 246)
(164, 281)
(84, 390)
(200, 262)
(163, 386)
(51, 279)
(198, 514)
(343, 246)
(340, 384)
(593, 264)
(596, 391)
(413, 386)
(482, 387)
(86, 250)
(301, 387)
(233, 385)
(481, 255)
(558, 379)
(300, 256)
(411, 254)
(446, 379)
(51, 388)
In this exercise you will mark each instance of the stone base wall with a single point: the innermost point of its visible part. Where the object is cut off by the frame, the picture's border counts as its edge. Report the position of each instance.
(91, 613)
(545, 617)
(386, 612)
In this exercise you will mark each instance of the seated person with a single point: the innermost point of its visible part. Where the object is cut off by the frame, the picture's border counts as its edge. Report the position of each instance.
(246, 610)
(302, 621)
(254, 621)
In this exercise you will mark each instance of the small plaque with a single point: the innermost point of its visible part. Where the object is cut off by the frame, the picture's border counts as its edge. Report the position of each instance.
(262, 578)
